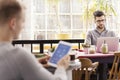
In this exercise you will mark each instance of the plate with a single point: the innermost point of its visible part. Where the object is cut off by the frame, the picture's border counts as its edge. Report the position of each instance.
(75, 63)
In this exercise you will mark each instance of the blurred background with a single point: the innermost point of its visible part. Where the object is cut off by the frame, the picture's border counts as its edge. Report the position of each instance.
(70, 19)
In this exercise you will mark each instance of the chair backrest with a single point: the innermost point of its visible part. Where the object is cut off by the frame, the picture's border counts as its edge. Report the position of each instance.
(87, 66)
(85, 62)
(115, 70)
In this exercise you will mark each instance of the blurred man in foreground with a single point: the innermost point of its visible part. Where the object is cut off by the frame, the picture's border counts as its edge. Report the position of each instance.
(17, 63)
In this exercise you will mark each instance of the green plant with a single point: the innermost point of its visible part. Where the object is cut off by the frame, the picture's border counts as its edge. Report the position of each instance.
(52, 49)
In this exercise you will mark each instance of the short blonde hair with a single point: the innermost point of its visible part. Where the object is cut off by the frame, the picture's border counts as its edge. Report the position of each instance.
(9, 9)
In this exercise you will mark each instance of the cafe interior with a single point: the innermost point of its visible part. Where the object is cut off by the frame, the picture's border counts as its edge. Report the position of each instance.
(48, 22)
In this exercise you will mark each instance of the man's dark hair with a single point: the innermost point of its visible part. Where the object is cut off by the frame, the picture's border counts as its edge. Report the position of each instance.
(98, 13)
(9, 9)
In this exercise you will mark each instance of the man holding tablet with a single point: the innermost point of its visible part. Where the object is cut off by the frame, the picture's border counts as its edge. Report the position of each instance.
(17, 63)
(62, 49)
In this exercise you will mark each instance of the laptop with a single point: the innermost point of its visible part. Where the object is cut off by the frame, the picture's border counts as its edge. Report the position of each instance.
(112, 42)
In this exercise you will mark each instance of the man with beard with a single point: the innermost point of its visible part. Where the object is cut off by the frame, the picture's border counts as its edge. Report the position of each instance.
(100, 31)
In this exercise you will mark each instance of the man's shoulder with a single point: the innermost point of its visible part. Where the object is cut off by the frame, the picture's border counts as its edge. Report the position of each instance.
(21, 53)
(20, 50)
(110, 31)
(91, 31)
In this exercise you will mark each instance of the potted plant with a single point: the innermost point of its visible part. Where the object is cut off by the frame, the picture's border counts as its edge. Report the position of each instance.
(86, 47)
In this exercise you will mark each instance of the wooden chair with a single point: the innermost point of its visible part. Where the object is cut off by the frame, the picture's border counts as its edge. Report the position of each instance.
(87, 67)
(114, 73)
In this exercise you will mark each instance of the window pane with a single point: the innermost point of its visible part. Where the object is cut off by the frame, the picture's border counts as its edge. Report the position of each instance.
(65, 22)
(77, 34)
(51, 8)
(77, 6)
(39, 6)
(64, 6)
(52, 22)
(39, 22)
(77, 22)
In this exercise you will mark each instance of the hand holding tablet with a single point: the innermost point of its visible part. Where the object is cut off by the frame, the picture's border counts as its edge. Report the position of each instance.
(64, 62)
(62, 50)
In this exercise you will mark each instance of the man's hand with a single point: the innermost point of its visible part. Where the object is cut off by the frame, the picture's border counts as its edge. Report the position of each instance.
(44, 60)
(64, 62)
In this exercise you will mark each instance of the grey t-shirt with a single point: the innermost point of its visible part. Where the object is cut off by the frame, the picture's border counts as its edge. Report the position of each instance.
(18, 64)
(94, 34)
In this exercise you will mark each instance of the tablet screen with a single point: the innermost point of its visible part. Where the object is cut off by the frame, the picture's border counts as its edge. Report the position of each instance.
(62, 49)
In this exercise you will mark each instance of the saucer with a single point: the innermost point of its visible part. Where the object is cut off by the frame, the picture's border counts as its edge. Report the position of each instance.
(76, 62)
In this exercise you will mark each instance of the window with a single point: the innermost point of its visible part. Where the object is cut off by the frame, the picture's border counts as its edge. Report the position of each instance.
(49, 18)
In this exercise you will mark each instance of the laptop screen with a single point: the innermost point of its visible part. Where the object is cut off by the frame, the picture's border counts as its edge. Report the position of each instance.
(112, 42)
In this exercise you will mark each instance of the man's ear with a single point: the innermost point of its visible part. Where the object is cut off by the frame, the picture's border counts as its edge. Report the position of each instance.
(12, 23)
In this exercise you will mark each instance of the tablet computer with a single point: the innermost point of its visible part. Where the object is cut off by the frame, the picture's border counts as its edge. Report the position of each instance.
(61, 50)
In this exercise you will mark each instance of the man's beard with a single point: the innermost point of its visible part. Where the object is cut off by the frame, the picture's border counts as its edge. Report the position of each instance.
(101, 27)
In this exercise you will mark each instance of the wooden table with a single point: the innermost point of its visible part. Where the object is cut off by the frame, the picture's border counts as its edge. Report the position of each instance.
(103, 59)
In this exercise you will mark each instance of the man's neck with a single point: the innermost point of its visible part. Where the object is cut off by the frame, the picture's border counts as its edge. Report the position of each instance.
(100, 30)
(5, 36)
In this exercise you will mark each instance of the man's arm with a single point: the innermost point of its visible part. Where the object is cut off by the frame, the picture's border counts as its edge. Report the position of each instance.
(113, 34)
(31, 69)
(88, 38)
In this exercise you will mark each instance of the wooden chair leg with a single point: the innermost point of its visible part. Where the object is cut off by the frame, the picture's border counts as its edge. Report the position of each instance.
(113, 69)
(81, 73)
(119, 74)
(73, 75)
(115, 73)
(77, 76)
(86, 74)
